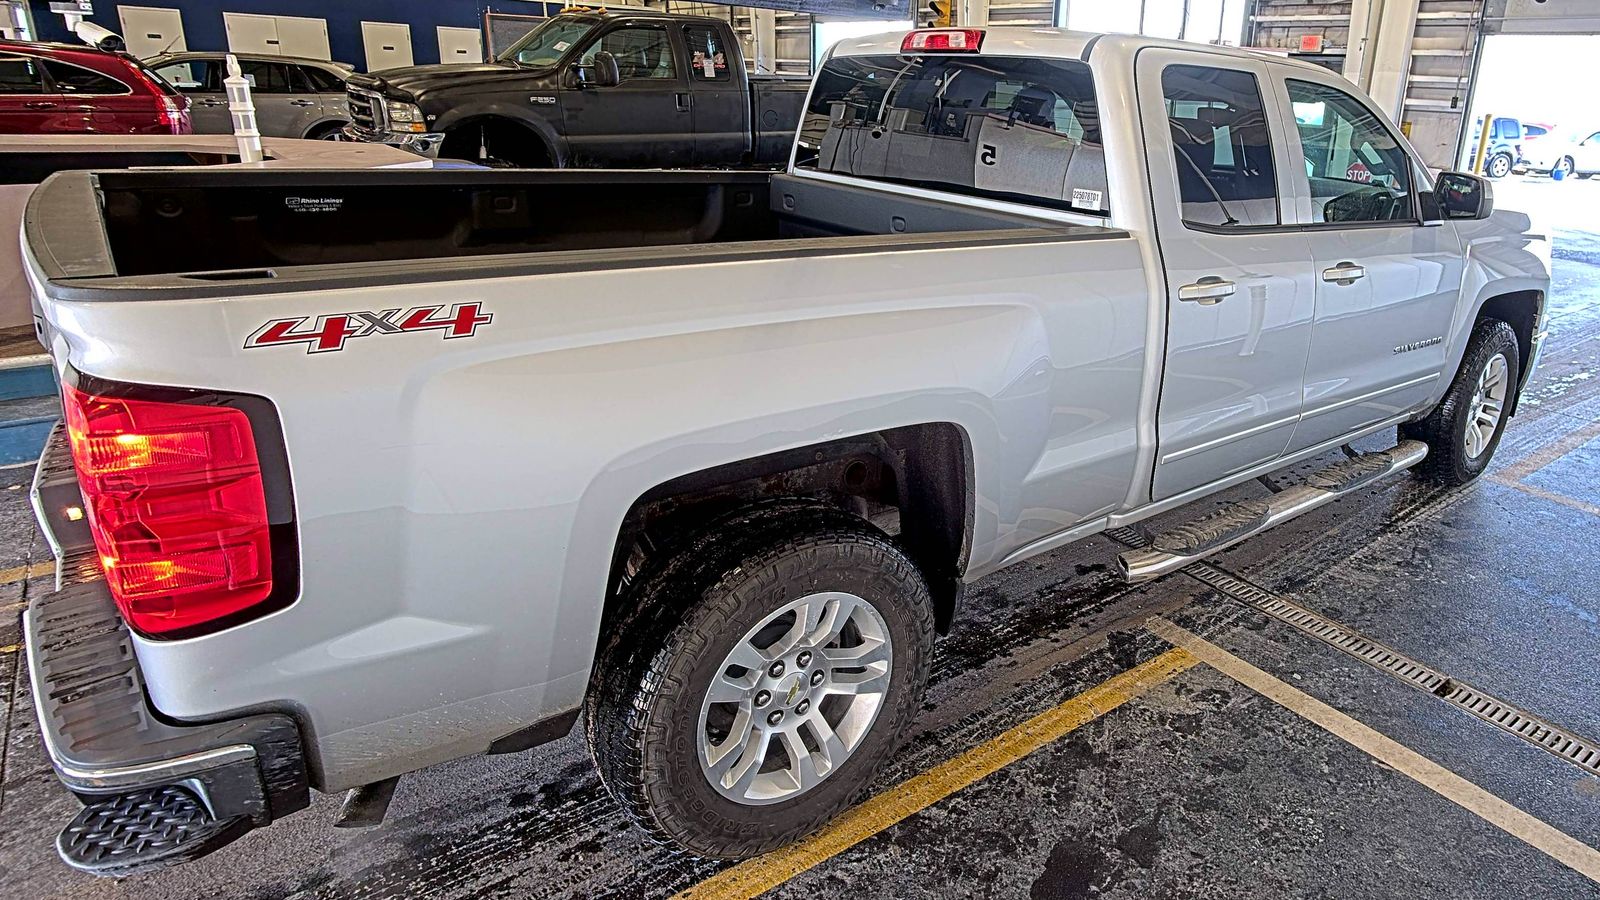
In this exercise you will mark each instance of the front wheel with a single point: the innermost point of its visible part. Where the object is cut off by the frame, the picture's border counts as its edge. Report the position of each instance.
(1564, 166)
(773, 666)
(1463, 431)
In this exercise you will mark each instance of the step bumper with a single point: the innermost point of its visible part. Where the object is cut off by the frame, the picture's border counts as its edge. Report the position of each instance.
(155, 792)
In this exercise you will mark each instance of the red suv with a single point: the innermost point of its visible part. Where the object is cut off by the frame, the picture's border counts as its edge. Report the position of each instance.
(67, 89)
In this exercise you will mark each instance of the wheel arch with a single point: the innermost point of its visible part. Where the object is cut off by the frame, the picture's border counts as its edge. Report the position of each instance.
(538, 129)
(1521, 309)
(916, 480)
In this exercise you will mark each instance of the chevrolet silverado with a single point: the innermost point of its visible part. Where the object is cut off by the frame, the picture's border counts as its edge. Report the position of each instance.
(365, 471)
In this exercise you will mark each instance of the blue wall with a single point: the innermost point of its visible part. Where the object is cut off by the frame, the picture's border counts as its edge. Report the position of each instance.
(203, 30)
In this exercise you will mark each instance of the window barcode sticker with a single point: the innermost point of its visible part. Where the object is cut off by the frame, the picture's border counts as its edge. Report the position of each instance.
(1086, 199)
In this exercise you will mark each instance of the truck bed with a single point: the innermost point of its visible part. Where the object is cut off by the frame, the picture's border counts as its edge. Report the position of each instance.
(196, 233)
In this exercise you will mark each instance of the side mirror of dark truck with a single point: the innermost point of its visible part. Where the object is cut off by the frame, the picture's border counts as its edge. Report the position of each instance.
(602, 71)
(1459, 195)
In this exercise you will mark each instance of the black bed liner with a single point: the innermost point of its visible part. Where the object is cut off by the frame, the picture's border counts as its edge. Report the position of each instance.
(167, 234)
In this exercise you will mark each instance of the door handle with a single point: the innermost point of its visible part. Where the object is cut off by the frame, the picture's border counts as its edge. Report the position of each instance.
(302, 102)
(1208, 291)
(39, 104)
(1344, 273)
(684, 98)
(213, 102)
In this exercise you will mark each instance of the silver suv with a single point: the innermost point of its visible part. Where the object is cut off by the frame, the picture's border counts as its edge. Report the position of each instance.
(295, 97)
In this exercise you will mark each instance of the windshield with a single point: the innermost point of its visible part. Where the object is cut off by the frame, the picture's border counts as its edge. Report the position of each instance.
(1011, 128)
(545, 45)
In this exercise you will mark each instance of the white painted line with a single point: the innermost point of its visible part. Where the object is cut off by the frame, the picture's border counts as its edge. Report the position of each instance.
(1536, 833)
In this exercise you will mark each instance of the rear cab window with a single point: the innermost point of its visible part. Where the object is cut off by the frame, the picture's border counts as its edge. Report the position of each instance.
(1018, 129)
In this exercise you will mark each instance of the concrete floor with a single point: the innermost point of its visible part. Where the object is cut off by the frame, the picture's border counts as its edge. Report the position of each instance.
(1200, 786)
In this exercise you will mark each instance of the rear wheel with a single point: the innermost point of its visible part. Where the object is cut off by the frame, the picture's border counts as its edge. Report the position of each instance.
(1464, 430)
(774, 663)
(1499, 165)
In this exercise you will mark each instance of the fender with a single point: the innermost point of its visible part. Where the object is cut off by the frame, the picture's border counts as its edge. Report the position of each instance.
(1505, 255)
(554, 143)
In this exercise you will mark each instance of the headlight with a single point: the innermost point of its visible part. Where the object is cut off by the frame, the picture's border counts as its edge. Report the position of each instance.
(405, 116)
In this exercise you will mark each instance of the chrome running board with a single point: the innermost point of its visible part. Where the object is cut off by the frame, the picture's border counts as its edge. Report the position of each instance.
(1172, 550)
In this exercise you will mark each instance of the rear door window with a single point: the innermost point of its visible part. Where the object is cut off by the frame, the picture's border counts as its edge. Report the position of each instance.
(1222, 148)
(267, 78)
(21, 75)
(708, 58)
(1011, 128)
(193, 76)
(72, 79)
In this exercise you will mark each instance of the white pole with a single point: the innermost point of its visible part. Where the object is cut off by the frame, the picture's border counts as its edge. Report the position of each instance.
(243, 111)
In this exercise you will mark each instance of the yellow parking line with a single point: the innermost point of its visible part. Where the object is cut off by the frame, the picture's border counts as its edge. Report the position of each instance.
(23, 573)
(756, 876)
(10, 648)
(1549, 453)
(1535, 832)
(1552, 496)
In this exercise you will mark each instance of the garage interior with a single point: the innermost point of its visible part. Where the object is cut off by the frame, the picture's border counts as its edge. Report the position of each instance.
(1391, 696)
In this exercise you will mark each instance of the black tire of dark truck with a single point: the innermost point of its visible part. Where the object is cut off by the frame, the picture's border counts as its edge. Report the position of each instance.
(645, 716)
(1444, 430)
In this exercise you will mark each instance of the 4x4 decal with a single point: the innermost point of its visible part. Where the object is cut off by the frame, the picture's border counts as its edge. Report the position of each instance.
(331, 332)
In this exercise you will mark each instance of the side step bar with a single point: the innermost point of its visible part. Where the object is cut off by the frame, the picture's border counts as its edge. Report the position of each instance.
(1172, 550)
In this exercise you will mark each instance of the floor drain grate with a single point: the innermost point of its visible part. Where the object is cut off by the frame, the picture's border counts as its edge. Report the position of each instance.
(1580, 752)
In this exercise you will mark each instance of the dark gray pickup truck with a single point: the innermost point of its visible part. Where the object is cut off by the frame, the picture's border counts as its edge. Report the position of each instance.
(590, 88)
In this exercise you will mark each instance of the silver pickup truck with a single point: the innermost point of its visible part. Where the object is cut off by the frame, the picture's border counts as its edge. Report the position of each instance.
(366, 471)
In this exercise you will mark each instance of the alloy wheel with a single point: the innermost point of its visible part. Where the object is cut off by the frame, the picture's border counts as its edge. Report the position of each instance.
(1487, 406)
(794, 698)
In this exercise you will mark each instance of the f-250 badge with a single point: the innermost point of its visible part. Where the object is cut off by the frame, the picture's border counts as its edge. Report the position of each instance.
(331, 332)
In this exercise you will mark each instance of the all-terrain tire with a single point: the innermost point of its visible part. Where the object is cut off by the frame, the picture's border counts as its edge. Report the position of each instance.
(1444, 429)
(690, 608)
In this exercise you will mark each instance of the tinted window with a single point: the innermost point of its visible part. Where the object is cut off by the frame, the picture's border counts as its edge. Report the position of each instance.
(1222, 150)
(322, 81)
(195, 75)
(72, 79)
(265, 77)
(1006, 127)
(640, 52)
(1356, 169)
(708, 59)
(19, 75)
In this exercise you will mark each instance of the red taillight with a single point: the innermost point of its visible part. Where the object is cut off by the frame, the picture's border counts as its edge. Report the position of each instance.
(177, 507)
(943, 40)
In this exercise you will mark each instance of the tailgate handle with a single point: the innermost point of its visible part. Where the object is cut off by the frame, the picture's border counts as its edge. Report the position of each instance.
(1344, 273)
(1208, 291)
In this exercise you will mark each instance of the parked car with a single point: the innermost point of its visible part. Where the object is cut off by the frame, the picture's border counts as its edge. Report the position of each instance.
(294, 97)
(709, 455)
(1505, 145)
(619, 88)
(1566, 153)
(68, 89)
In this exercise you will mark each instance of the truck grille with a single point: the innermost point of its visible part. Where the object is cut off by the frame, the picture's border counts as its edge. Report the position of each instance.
(366, 110)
